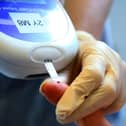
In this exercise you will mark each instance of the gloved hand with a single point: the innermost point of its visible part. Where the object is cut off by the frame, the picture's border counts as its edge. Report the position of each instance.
(98, 78)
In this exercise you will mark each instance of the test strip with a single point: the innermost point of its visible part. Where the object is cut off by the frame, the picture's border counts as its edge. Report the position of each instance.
(51, 69)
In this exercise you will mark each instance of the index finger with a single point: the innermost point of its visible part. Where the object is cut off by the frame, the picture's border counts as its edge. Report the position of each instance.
(89, 79)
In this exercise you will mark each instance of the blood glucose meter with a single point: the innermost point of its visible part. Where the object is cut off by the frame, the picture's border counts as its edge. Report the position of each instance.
(32, 31)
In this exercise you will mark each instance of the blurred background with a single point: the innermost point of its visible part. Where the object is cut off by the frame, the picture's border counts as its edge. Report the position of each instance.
(118, 26)
(118, 31)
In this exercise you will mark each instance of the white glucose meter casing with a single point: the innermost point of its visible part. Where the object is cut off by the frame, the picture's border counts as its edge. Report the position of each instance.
(31, 32)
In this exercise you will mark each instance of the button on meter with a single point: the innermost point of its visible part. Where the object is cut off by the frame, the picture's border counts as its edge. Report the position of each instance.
(38, 55)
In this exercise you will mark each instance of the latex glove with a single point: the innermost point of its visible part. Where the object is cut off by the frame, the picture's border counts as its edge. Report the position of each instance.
(100, 76)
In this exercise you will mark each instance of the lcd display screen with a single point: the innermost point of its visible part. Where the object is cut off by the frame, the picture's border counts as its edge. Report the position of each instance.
(25, 1)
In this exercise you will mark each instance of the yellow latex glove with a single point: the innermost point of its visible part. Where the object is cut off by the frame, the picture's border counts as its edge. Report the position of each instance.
(99, 81)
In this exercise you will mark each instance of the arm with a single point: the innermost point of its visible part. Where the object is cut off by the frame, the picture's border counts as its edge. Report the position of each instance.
(88, 15)
(97, 74)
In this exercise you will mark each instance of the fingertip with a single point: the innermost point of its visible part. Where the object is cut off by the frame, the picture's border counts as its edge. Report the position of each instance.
(48, 80)
(60, 121)
(63, 119)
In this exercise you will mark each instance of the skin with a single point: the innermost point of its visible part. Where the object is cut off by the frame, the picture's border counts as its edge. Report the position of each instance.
(85, 18)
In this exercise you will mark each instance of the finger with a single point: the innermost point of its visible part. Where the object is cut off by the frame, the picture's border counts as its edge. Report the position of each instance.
(117, 104)
(101, 98)
(88, 80)
(84, 36)
(121, 95)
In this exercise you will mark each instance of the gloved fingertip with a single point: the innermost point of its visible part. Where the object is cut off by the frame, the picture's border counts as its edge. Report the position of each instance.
(63, 119)
(62, 115)
(60, 121)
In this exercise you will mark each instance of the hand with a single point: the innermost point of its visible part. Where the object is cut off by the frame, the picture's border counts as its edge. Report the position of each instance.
(99, 81)
(54, 90)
